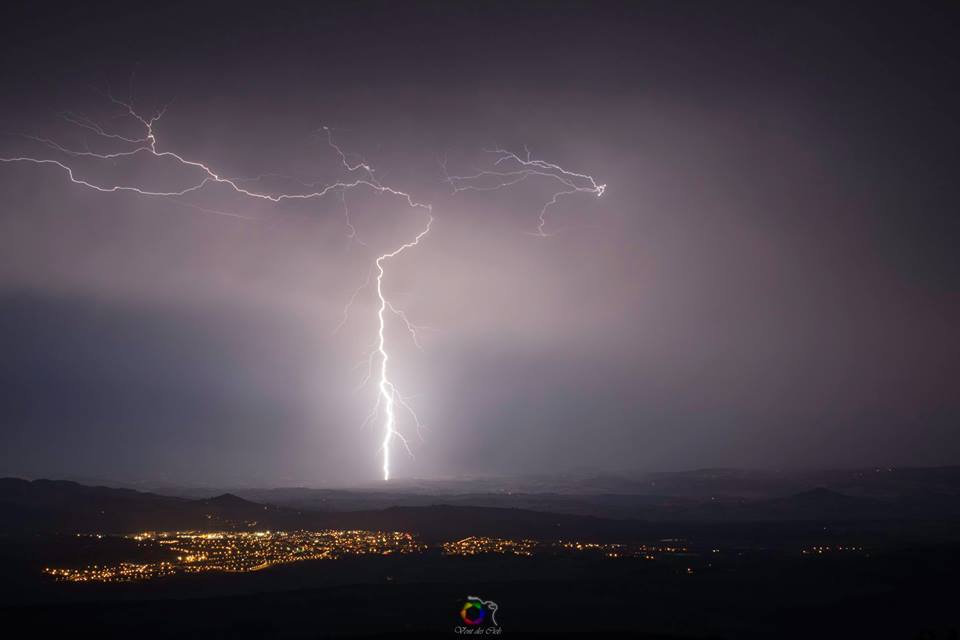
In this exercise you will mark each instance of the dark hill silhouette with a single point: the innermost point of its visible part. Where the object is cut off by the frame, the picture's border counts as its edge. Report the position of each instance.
(59, 506)
(447, 522)
(45, 506)
(67, 507)
(230, 501)
(815, 504)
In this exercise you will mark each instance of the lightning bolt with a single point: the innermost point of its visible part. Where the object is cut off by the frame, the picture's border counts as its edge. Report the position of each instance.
(510, 169)
(388, 396)
(388, 392)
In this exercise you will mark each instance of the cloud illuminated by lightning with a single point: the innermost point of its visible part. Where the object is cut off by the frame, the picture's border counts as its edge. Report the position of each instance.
(510, 169)
(388, 396)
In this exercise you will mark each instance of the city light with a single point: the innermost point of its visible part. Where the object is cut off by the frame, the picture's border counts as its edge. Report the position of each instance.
(198, 552)
(240, 552)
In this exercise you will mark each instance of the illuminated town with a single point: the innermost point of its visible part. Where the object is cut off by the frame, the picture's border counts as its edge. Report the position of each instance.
(820, 550)
(198, 552)
(240, 552)
(475, 545)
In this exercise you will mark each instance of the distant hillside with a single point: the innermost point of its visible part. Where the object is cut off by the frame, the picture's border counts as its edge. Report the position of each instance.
(60, 506)
(706, 495)
(68, 507)
(41, 506)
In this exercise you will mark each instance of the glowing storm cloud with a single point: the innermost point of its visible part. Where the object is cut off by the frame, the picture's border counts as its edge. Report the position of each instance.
(509, 169)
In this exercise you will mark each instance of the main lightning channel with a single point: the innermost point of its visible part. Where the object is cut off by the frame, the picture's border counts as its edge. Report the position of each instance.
(388, 392)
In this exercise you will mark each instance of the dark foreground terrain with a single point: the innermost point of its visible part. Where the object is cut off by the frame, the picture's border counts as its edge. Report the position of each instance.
(905, 594)
(815, 567)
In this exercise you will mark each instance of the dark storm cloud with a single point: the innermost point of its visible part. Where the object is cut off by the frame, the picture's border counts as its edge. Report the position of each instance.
(769, 280)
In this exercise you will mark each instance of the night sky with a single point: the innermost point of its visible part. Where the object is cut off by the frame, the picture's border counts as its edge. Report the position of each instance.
(770, 280)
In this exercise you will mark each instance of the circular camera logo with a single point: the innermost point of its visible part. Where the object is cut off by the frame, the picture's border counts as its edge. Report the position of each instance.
(477, 611)
(473, 612)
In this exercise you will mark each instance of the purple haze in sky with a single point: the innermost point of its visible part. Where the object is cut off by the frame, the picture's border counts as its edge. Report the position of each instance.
(770, 279)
